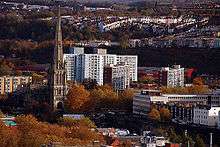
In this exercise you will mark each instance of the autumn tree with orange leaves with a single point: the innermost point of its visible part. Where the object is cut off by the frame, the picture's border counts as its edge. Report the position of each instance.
(154, 115)
(30, 132)
(8, 137)
(165, 114)
(77, 98)
(126, 99)
(103, 97)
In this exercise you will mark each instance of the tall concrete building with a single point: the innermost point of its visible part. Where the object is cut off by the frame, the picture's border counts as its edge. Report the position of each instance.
(117, 76)
(91, 66)
(132, 62)
(70, 64)
(172, 77)
(58, 75)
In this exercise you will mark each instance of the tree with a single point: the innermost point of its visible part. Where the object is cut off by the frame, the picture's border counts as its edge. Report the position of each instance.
(195, 89)
(165, 114)
(126, 99)
(199, 142)
(81, 129)
(173, 137)
(103, 97)
(109, 96)
(147, 79)
(126, 143)
(42, 53)
(124, 41)
(198, 81)
(8, 137)
(70, 122)
(186, 139)
(160, 131)
(6, 68)
(198, 89)
(77, 98)
(127, 94)
(30, 130)
(70, 132)
(154, 114)
(1, 114)
(88, 33)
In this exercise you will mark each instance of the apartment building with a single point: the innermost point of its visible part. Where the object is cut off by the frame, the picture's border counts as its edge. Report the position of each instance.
(132, 62)
(117, 76)
(70, 64)
(83, 66)
(165, 76)
(9, 84)
(172, 77)
(90, 66)
(207, 116)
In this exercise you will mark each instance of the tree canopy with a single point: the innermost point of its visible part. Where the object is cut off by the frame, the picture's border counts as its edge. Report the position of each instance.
(77, 98)
(165, 114)
(199, 142)
(154, 114)
(31, 132)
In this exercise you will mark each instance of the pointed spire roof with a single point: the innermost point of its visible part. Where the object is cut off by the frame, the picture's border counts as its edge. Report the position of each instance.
(58, 50)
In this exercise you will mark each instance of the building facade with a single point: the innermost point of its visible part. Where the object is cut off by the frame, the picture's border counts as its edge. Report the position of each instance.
(70, 64)
(117, 76)
(219, 120)
(76, 50)
(172, 77)
(207, 116)
(132, 62)
(9, 84)
(143, 101)
(91, 66)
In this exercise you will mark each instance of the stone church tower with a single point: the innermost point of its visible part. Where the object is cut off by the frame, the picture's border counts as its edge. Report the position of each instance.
(58, 84)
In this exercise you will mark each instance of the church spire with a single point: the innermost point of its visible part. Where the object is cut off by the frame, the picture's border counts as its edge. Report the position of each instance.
(58, 75)
(58, 50)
